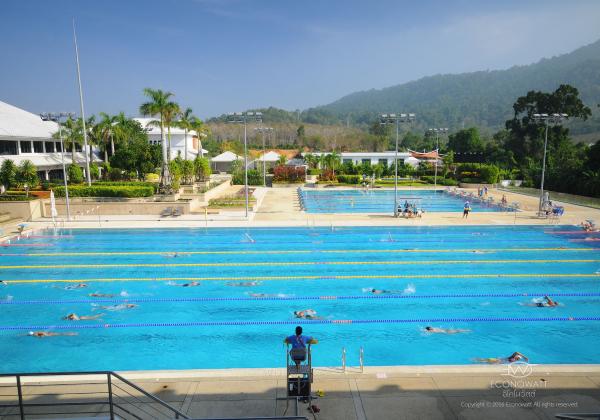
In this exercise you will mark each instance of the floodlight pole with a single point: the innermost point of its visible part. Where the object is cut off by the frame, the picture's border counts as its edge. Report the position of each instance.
(56, 118)
(242, 117)
(437, 131)
(85, 143)
(264, 130)
(556, 118)
(389, 119)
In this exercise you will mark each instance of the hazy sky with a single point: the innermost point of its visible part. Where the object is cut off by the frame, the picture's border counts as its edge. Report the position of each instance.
(227, 55)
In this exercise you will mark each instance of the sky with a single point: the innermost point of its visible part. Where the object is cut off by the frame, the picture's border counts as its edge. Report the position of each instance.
(220, 56)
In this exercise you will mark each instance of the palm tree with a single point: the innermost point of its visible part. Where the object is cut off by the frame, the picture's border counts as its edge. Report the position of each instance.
(72, 133)
(122, 129)
(170, 113)
(200, 128)
(106, 132)
(158, 105)
(27, 175)
(185, 122)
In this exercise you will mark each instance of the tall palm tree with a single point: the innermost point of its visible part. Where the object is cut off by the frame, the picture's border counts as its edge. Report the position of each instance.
(106, 131)
(185, 122)
(200, 128)
(170, 113)
(157, 106)
(72, 132)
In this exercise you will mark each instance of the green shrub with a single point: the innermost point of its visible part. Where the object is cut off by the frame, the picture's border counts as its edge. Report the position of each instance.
(349, 179)
(314, 171)
(94, 171)
(126, 184)
(16, 197)
(106, 191)
(254, 177)
(440, 180)
(489, 174)
(75, 174)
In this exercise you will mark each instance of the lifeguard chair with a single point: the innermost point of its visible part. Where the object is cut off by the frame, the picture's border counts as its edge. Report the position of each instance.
(299, 376)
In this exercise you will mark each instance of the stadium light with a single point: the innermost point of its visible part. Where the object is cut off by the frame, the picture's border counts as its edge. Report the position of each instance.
(388, 119)
(546, 119)
(243, 118)
(56, 117)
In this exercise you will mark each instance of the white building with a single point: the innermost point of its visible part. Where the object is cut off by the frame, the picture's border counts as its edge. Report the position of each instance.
(374, 158)
(179, 138)
(25, 136)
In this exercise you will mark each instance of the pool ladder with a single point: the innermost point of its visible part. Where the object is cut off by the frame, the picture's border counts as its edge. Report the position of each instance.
(361, 359)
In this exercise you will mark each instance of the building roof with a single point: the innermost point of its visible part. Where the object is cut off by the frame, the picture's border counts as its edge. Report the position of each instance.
(16, 123)
(50, 160)
(270, 156)
(365, 155)
(425, 155)
(226, 157)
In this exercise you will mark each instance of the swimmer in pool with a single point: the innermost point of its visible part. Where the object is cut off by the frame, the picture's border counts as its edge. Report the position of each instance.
(435, 330)
(243, 284)
(3, 282)
(385, 291)
(546, 303)
(306, 314)
(171, 255)
(101, 295)
(190, 284)
(75, 317)
(41, 334)
(515, 357)
(119, 307)
(76, 286)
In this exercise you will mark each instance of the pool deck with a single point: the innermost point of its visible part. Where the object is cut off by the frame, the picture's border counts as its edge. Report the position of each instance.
(397, 392)
(388, 392)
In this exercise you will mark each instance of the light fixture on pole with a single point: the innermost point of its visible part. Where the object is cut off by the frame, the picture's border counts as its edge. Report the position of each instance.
(437, 132)
(546, 119)
(243, 118)
(264, 131)
(85, 143)
(386, 119)
(56, 117)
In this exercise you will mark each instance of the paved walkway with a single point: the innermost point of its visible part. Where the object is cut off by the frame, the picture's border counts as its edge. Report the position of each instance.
(434, 392)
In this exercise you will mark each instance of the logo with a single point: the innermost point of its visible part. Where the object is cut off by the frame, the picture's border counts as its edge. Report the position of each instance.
(518, 370)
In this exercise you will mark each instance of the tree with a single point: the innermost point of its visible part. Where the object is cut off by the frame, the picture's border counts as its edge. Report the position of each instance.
(282, 160)
(106, 131)
(74, 174)
(526, 136)
(27, 176)
(201, 168)
(201, 130)
(8, 174)
(186, 123)
(332, 161)
(170, 113)
(465, 141)
(159, 105)
(187, 171)
(300, 134)
(138, 156)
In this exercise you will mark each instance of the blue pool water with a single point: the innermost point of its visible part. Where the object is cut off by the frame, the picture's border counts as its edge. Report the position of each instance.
(382, 201)
(476, 278)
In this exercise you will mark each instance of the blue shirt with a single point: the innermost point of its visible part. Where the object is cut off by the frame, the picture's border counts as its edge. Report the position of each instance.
(298, 341)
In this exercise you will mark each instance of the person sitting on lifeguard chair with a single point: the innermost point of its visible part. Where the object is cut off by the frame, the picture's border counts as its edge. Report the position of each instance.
(299, 344)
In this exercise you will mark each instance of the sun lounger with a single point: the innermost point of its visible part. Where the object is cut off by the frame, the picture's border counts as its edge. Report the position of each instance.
(177, 212)
(166, 212)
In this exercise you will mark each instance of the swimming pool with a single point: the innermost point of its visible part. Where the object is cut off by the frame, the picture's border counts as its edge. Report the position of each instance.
(477, 278)
(382, 201)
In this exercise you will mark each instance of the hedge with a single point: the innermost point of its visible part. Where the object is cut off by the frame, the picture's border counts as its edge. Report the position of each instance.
(16, 197)
(440, 181)
(349, 179)
(254, 177)
(106, 191)
(126, 184)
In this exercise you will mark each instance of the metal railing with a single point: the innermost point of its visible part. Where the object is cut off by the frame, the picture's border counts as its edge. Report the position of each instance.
(98, 393)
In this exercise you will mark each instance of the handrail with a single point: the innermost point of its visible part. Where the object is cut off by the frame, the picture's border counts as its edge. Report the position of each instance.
(109, 374)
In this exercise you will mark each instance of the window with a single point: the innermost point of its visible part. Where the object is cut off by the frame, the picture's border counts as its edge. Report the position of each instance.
(366, 161)
(8, 147)
(58, 147)
(383, 161)
(38, 147)
(78, 147)
(25, 147)
(49, 147)
(347, 161)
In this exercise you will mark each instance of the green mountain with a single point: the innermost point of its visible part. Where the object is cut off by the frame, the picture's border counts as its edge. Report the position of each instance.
(482, 98)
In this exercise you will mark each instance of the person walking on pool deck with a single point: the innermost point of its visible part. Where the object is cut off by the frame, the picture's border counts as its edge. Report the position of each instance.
(466, 209)
(299, 343)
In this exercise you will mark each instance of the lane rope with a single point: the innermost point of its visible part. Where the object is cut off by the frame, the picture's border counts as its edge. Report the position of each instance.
(306, 277)
(291, 298)
(293, 322)
(281, 252)
(298, 263)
